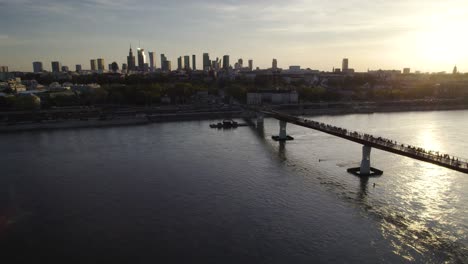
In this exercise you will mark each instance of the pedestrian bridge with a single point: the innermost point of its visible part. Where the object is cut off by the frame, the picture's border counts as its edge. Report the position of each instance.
(368, 142)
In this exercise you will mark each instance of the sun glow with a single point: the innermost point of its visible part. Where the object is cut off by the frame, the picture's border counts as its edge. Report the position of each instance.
(442, 42)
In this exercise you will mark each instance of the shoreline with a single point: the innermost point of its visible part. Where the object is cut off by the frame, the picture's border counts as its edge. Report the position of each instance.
(188, 116)
(372, 110)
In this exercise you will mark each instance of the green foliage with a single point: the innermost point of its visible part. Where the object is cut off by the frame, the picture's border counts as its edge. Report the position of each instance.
(26, 102)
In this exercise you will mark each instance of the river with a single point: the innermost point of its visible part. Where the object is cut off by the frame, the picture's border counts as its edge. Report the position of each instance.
(182, 192)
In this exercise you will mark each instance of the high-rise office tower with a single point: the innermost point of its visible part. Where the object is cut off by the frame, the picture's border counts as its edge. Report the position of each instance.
(56, 66)
(179, 63)
(124, 66)
(100, 64)
(226, 62)
(206, 62)
(37, 67)
(151, 61)
(187, 62)
(274, 64)
(114, 67)
(141, 58)
(3, 68)
(167, 66)
(130, 60)
(194, 63)
(163, 59)
(240, 63)
(344, 66)
(78, 67)
(65, 68)
(251, 65)
(93, 65)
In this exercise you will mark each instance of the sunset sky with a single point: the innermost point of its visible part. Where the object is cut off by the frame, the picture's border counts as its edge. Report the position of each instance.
(425, 35)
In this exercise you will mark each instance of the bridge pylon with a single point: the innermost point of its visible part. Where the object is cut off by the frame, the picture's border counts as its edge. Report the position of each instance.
(283, 136)
(365, 170)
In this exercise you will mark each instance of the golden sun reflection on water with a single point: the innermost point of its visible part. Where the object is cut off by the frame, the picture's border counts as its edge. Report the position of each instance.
(427, 198)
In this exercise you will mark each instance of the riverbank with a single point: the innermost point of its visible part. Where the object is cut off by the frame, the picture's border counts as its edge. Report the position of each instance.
(134, 117)
(342, 109)
(127, 120)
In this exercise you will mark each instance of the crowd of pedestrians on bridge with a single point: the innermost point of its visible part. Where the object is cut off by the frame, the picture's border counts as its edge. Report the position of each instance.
(421, 152)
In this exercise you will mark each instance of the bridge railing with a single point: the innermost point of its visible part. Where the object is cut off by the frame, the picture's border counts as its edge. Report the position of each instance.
(418, 151)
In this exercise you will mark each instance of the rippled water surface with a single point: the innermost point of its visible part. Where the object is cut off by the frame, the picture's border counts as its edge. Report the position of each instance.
(182, 192)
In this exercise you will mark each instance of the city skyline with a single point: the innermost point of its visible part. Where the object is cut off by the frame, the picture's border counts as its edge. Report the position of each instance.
(422, 35)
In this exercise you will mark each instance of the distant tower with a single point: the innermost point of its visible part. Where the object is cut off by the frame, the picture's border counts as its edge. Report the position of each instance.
(151, 61)
(141, 58)
(194, 63)
(226, 62)
(163, 65)
(130, 60)
(37, 66)
(93, 65)
(179, 63)
(100, 64)
(56, 66)
(167, 66)
(240, 63)
(187, 62)
(344, 66)
(455, 70)
(114, 67)
(206, 62)
(274, 64)
(251, 65)
(78, 67)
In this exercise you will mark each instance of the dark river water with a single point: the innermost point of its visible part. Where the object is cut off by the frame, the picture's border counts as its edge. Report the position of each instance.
(183, 193)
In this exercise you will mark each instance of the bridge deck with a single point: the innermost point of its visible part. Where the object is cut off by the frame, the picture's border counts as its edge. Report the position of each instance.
(444, 160)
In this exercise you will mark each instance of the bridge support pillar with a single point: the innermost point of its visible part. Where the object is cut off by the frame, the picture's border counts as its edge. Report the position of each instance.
(365, 169)
(283, 136)
(365, 162)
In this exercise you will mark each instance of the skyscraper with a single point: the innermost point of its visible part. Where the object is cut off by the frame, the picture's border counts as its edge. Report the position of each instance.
(100, 64)
(240, 62)
(78, 67)
(344, 66)
(141, 58)
(179, 63)
(37, 67)
(124, 66)
(56, 66)
(165, 66)
(114, 67)
(151, 61)
(274, 64)
(251, 65)
(187, 62)
(206, 62)
(3, 68)
(65, 68)
(130, 60)
(194, 64)
(93, 65)
(226, 62)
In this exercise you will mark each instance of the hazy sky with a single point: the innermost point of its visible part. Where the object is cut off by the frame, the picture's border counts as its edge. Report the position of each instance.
(426, 35)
